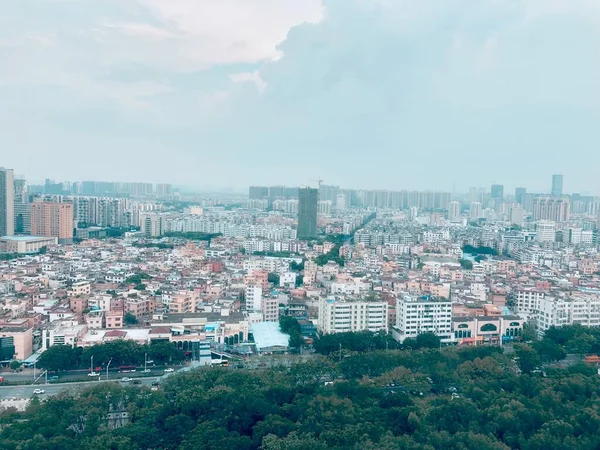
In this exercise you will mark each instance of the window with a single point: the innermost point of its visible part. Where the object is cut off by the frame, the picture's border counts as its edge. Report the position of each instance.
(489, 327)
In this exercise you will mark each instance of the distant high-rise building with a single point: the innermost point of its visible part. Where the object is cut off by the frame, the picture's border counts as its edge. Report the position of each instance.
(516, 215)
(520, 195)
(554, 209)
(7, 202)
(476, 210)
(327, 192)
(258, 192)
(151, 224)
(340, 202)
(307, 212)
(52, 219)
(454, 211)
(557, 185)
(497, 191)
(22, 208)
(163, 190)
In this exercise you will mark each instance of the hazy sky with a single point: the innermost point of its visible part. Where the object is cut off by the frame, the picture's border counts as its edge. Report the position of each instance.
(385, 94)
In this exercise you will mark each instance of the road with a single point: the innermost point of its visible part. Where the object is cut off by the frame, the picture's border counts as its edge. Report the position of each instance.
(7, 392)
(79, 375)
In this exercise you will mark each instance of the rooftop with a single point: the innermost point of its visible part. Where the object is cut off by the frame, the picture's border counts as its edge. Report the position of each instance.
(267, 334)
(25, 238)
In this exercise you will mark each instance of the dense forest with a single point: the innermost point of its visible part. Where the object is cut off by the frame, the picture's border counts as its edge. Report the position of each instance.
(419, 398)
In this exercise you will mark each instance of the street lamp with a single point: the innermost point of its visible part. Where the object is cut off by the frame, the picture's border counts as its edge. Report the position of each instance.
(92, 364)
(107, 366)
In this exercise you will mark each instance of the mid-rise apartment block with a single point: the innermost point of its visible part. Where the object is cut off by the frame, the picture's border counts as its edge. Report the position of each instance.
(337, 315)
(52, 219)
(417, 314)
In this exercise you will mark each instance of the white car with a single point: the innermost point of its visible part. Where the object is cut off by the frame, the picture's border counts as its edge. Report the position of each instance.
(93, 374)
(169, 370)
(146, 371)
(125, 379)
(38, 391)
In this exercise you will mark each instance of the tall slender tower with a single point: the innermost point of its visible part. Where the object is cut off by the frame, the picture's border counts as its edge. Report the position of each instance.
(7, 202)
(557, 185)
(308, 199)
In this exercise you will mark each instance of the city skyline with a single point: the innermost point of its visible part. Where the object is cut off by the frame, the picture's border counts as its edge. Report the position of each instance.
(160, 91)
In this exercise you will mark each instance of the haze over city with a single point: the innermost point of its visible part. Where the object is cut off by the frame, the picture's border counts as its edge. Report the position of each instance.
(368, 94)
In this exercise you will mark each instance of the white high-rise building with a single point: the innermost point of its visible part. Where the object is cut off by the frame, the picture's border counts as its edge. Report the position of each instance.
(340, 202)
(528, 302)
(337, 315)
(454, 211)
(7, 202)
(423, 314)
(546, 231)
(580, 309)
(516, 215)
(152, 224)
(253, 295)
(476, 211)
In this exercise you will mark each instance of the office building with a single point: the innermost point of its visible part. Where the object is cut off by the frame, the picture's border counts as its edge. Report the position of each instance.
(22, 209)
(497, 192)
(520, 195)
(475, 211)
(557, 185)
(338, 315)
(7, 202)
(454, 211)
(52, 219)
(307, 212)
(422, 314)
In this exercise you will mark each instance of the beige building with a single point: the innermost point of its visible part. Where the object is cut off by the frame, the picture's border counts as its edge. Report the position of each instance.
(22, 339)
(52, 219)
(114, 319)
(486, 329)
(25, 244)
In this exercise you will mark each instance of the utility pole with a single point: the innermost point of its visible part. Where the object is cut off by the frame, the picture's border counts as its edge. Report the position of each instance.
(107, 366)
(340, 352)
(34, 370)
(92, 364)
(145, 361)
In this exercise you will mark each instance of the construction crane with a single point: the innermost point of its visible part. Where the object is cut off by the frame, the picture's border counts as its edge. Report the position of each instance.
(320, 181)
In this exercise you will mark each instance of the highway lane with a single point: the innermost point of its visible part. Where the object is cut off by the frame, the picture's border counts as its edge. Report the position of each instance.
(26, 391)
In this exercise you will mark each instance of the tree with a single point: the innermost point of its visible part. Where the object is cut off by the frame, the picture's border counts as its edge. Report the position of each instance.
(466, 264)
(59, 357)
(14, 365)
(299, 280)
(428, 340)
(549, 351)
(528, 358)
(129, 319)
(273, 278)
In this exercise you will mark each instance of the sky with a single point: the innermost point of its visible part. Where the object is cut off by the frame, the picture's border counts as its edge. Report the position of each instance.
(379, 94)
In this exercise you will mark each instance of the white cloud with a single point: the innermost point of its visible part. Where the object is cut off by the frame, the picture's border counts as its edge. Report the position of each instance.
(253, 77)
